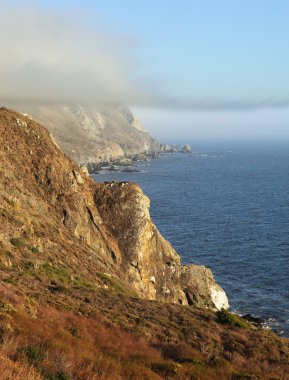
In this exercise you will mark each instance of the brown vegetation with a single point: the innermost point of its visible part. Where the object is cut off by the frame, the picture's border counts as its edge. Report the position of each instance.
(127, 338)
(68, 312)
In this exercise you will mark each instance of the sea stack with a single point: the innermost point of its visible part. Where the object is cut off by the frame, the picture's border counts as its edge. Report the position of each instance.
(187, 149)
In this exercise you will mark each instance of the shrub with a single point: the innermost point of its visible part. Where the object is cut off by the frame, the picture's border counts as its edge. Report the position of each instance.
(197, 362)
(6, 307)
(35, 249)
(224, 317)
(62, 275)
(2, 211)
(55, 376)
(116, 285)
(17, 242)
(33, 354)
(56, 273)
(9, 280)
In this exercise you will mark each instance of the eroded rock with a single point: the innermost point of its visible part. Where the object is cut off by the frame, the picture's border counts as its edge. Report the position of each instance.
(149, 262)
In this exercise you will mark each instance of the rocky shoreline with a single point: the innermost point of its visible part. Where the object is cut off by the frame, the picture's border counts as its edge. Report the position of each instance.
(127, 163)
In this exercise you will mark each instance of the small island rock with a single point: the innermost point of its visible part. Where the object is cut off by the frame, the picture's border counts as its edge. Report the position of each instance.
(187, 149)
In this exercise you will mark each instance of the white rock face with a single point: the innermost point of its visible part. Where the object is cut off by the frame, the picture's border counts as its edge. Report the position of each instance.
(219, 298)
(132, 119)
(137, 124)
(201, 288)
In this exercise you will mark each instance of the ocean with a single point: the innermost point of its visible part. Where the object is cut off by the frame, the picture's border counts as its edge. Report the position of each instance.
(226, 206)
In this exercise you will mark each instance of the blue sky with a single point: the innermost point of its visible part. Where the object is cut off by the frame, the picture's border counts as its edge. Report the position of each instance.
(222, 51)
(190, 57)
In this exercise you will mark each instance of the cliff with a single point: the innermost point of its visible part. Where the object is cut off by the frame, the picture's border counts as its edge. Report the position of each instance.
(90, 134)
(89, 289)
(111, 220)
(151, 264)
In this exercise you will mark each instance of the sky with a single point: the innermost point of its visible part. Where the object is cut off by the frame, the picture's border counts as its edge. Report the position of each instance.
(193, 68)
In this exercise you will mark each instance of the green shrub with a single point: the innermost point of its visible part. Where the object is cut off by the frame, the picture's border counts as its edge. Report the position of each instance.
(35, 249)
(33, 354)
(225, 317)
(199, 363)
(9, 280)
(6, 307)
(57, 273)
(63, 278)
(116, 285)
(2, 211)
(17, 242)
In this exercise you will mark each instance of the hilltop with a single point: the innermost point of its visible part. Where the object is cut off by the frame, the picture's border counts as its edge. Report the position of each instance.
(91, 290)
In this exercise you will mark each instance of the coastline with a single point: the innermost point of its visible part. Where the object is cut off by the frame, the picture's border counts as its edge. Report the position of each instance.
(127, 162)
(120, 162)
(162, 179)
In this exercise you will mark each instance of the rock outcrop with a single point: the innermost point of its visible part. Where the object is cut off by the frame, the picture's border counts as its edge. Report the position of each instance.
(96, 134)
(167, 148)
(186, 149)
(150, 263)
(88, 227)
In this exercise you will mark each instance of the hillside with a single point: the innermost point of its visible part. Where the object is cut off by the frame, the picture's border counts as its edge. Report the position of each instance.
(93, 134)
(91, 290)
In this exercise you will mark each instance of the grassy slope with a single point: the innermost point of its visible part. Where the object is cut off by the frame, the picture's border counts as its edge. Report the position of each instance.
(62, 317)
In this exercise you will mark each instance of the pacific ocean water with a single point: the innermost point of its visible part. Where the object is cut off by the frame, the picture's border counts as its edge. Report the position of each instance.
(226, 206)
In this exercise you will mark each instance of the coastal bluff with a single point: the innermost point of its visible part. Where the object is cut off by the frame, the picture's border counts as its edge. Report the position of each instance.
(89, 288)
(150, 263)
(101, 228)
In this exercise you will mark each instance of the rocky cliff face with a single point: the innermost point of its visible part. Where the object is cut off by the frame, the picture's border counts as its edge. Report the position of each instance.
(93, 134)
(151, 265)
(86, 226)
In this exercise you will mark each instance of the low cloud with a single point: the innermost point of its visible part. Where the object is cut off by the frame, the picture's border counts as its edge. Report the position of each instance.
(213, 104)
(57, 55)
(60, 55)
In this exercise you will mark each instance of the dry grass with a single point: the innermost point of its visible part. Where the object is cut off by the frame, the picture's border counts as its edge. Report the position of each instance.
(10, 370)
(179, 344)
(61, 345)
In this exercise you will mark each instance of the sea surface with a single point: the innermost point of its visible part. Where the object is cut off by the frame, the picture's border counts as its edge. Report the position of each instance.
(226, 206)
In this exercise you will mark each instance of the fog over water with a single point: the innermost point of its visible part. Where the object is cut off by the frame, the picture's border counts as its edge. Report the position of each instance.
(176, 126)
